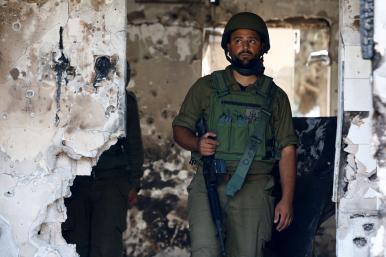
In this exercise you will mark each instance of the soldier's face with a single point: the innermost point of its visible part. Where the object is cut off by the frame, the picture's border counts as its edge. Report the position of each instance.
(244, 45)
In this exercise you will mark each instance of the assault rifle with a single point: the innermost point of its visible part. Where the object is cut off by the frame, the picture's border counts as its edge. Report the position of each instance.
(209, 172)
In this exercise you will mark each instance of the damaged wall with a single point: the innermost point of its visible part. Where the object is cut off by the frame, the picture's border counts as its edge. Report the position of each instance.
(58, 112)
(62, 104)
(164, 49)
(358, 189)
(379, 119)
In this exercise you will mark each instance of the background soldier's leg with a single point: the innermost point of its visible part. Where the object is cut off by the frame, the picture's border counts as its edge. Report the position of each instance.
(202, 231)
(109, 217)
(76, 229)
(250, 217)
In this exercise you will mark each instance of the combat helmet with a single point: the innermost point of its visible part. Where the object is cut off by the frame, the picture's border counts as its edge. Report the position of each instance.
(246, 20)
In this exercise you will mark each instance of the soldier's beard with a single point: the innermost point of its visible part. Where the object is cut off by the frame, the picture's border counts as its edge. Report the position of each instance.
(251, 67)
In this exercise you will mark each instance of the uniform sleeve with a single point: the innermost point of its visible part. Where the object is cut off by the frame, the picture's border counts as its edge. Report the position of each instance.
(191, 108)
(282, 120)
(134, 139)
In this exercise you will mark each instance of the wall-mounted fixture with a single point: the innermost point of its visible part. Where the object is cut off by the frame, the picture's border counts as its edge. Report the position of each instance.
(319, 56)
(214, 2)
(367, 28)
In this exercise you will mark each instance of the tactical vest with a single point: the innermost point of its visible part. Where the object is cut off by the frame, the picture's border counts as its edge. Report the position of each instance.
(235, 115)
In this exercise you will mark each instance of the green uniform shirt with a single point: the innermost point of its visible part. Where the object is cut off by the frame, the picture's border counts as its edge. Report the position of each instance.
(197, 102)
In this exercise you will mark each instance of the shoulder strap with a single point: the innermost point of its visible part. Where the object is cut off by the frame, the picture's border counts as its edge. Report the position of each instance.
(271, 92)
(265, 86)
(220, 83)
(267, 90)
(237, 180)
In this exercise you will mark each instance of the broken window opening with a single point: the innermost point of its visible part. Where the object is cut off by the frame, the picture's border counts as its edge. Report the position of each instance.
(298, 61)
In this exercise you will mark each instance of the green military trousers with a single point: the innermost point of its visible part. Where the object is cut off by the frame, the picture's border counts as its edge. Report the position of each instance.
(96, 216)
(247, 217)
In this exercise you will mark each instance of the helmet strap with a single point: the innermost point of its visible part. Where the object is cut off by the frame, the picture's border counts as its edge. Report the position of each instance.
(256, 66)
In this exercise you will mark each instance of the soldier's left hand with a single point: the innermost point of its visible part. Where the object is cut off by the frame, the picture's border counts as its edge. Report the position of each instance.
(133, 197)
(283, 215)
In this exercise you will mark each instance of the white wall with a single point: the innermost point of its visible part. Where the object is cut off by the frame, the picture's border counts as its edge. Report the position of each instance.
(55, 117)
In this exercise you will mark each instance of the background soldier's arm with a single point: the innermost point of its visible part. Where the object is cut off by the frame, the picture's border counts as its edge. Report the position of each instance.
(135, 148)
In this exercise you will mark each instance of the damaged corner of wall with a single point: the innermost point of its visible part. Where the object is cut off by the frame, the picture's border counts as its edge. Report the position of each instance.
(59, 112)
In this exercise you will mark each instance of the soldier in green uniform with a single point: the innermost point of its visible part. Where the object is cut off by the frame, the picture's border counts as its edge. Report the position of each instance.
(249, 129)
(97, 208)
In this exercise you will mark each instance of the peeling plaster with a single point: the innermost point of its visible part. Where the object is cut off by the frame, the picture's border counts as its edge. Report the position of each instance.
(362, 196)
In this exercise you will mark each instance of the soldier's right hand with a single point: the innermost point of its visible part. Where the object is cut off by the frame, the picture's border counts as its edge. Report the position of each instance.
(207, 144)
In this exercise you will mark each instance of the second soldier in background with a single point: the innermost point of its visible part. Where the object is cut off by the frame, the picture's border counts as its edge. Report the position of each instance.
(97, 208)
